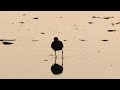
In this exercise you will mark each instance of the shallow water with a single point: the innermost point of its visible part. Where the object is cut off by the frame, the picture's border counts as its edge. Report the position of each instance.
(31, 55)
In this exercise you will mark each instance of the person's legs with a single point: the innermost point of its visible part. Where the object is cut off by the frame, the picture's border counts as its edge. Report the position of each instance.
(55, 57)
(62, 57)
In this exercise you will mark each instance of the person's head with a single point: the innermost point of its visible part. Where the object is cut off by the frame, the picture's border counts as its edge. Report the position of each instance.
(56, 39)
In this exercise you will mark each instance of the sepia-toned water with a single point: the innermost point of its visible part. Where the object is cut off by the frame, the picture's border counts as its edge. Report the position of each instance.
(91, 44)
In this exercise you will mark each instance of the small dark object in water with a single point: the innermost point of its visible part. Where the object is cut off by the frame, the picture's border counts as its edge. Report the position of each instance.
(118, 23)
(56, 69)
(90, 22)
(21, 22)
(42, 33)
(24, 14)
(95, 17)
(108, 17)
(65, 40)
(35, 18)
(7, 43)
(34, 40)
(105, 40)
(83, 40)
(7, 40)
(111, 30)
(45, 60)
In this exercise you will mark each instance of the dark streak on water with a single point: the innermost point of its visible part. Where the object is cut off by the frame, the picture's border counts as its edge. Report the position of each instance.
(7, 43)
(104, 40)
(111, 30)
(117, 23)
(6, 40)
(82, 40)
(107, 17)
(103, 17)
(95, 17)
(35, 18)
(34, 40)
(21, 22)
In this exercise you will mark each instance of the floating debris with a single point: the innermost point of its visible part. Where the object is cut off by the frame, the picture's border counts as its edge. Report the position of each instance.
(24, 14)
(21, 22)
(42, 33)
(34, 40)
(95, 17)
(76, 28)
(65, 40)
(35, 18)
(90, 22)
(7, 40)
(111, 30)
(61, 17)
(98, 51)
(117, 23)
(7, 43)
(112, 24)
(46, 60)
(107, 17)
(51, 54)
(105, 40)
(82, 39)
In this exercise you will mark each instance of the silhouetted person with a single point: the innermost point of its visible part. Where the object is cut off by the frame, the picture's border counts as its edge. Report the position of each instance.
(56, 46)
